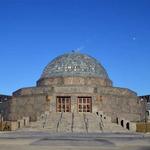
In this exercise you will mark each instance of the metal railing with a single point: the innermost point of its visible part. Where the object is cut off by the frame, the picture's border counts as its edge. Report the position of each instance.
(101, 124)
(72, 123)
(45, 120)
(59, 121)
(86, 121)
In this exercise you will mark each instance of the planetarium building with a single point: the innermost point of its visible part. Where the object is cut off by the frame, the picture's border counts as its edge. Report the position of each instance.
(75, 83)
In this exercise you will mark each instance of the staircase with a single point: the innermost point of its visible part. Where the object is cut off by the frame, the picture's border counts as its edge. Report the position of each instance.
(94, 124)
(113, 127)
(67, 122)
(79, 124)
(52, 122)
(46, 122)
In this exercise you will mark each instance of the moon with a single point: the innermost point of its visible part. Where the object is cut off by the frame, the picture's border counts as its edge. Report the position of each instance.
(133, 38)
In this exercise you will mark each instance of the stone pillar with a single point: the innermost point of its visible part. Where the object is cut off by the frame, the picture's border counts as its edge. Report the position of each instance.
(53, 104)
(95, 104)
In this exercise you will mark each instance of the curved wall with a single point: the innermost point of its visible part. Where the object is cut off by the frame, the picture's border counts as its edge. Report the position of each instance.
(96, 81)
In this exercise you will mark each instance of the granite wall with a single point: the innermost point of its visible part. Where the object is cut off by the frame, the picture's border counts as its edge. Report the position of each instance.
(74, 81)
(115, 102)
(28, 106)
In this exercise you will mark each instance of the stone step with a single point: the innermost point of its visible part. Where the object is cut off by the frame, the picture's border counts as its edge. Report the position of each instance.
(113, 127)
(93, 123)
(79, 124)
(65, 122)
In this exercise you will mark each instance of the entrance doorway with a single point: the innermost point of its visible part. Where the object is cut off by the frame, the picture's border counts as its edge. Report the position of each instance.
(84, 104)
(63, 104)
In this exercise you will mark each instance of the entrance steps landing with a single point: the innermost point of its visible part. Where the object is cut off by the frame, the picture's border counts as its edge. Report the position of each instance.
(67, 122)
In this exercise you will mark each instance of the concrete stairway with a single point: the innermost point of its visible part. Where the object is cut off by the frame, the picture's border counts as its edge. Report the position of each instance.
(113, 127)
(75, 123)
(78, 123)
(46, 122)
(65, 122)
(108, 126)
(94, 124)
(52, 122)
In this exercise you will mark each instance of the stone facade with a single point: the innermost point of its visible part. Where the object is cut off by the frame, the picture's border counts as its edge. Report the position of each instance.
(4, 106)
(115, 102)
(74, 81)
(92, 83)
(146, 100)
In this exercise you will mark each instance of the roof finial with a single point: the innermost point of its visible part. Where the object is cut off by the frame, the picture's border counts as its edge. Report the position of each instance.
(79, 48)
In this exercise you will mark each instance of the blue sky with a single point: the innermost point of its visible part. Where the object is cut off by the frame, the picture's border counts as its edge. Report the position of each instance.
(116, 32)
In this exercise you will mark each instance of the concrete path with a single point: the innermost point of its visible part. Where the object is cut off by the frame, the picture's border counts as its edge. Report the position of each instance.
(79, 141)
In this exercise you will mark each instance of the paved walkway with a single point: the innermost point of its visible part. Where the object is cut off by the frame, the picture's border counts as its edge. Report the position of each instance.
(79, 141)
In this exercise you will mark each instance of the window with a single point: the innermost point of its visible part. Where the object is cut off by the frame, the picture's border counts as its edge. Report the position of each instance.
(84, 104)
(63, 104)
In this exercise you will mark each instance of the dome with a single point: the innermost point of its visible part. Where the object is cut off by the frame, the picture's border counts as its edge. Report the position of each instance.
(74, 64)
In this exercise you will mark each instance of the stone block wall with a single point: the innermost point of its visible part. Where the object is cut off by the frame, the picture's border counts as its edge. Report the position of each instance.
(28, 106)
(5, 109)
(122, 103)
(114, 102)
(74, 81)
(14, 125)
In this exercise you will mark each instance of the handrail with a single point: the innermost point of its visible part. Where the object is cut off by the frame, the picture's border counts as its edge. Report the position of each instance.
(101, 125)
(45, 120)
(72, 124)
(57, 126)
(59, 121)
(86, 121)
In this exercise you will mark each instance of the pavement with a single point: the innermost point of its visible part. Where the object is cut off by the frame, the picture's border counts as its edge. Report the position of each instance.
(27, 140)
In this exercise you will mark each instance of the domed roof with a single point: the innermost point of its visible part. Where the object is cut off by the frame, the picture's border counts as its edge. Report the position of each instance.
(74, 64)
